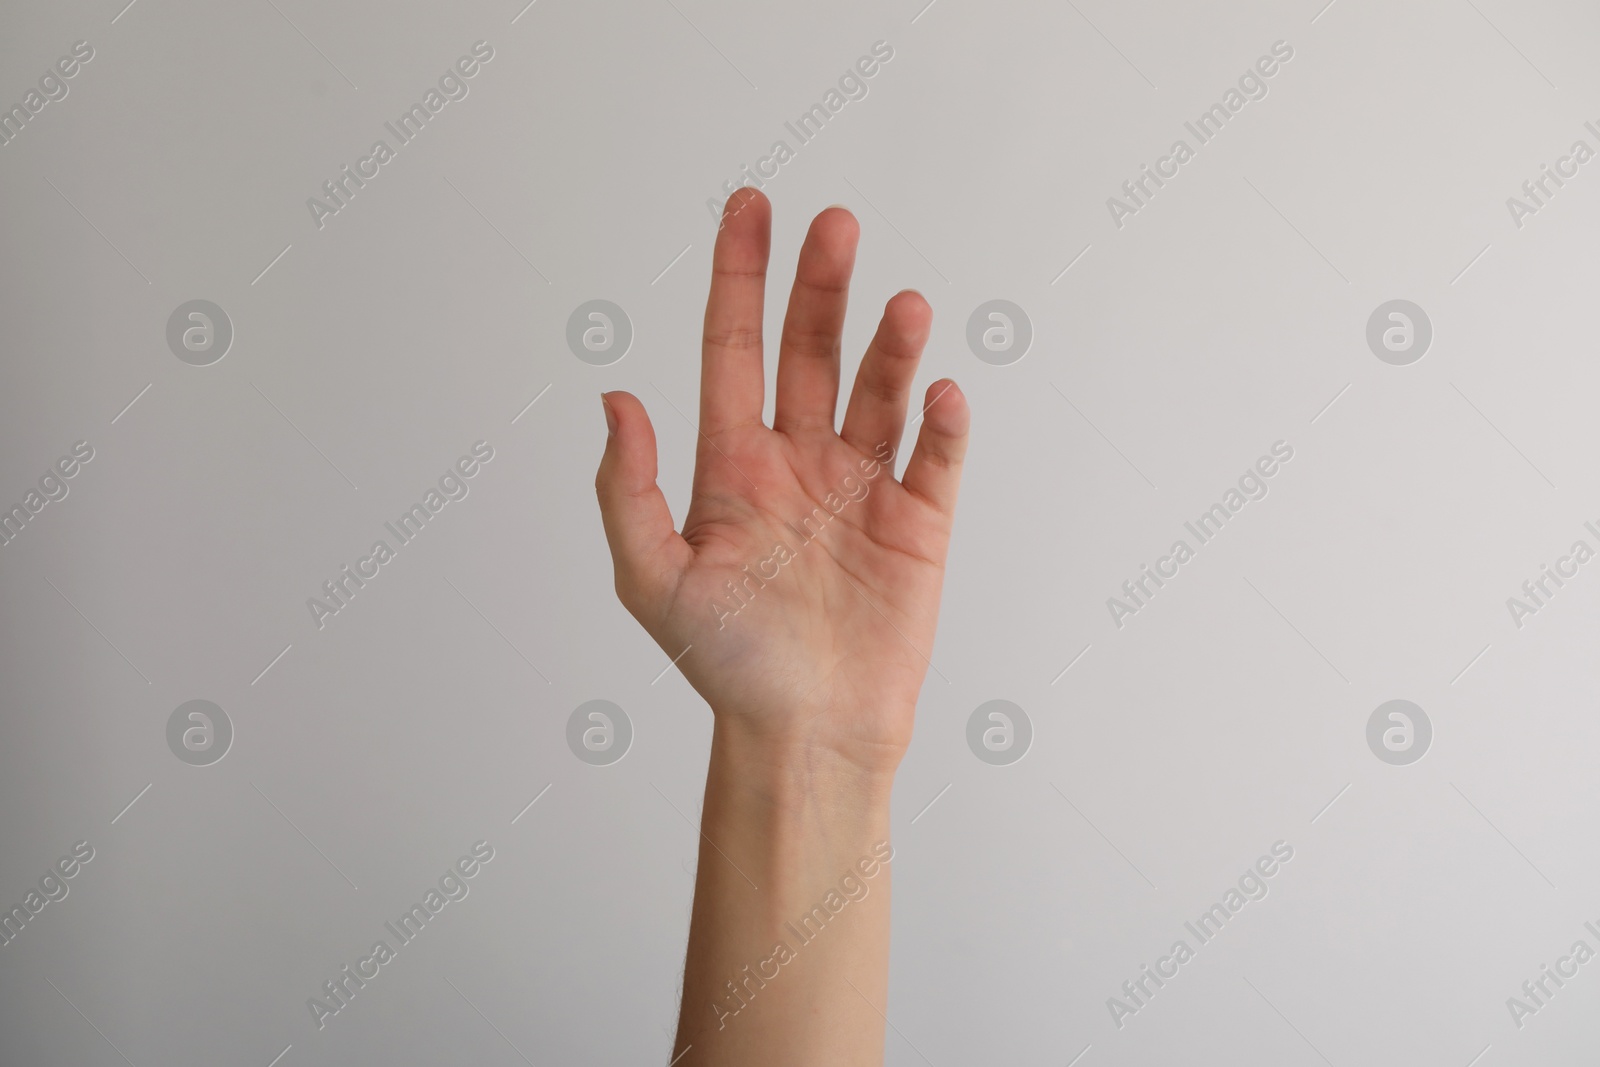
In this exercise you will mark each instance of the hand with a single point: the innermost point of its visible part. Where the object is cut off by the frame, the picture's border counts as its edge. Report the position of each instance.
(805, 584)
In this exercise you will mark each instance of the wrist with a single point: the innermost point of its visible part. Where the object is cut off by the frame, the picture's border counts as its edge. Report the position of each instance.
(798, 775)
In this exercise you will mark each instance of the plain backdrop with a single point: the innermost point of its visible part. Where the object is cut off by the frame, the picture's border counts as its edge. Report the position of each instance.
(371, 352)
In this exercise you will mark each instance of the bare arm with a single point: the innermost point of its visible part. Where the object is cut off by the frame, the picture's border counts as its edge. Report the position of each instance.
(805, 585)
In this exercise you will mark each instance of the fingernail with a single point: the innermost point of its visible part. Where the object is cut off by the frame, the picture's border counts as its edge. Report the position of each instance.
(831, 206)
(611, 417)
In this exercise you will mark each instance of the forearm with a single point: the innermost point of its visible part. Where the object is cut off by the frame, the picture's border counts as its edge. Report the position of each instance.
(789, 937)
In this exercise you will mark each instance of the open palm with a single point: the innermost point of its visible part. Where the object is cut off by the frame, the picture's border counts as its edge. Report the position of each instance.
(803, 592)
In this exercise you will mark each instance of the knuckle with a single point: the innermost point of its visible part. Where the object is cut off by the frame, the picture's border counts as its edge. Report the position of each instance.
(818, 340)
(733, 337)
(883, 389)
(827, 286)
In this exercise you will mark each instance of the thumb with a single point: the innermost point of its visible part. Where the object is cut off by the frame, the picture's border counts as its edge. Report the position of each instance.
(646, 551)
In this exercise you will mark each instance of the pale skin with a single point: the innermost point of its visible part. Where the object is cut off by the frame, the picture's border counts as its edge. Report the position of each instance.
(813, 682)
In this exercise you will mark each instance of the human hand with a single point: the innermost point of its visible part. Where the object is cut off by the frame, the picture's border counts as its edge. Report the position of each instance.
(818, 646)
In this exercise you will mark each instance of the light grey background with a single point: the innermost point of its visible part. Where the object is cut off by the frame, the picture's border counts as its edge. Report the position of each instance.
(373, 352)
